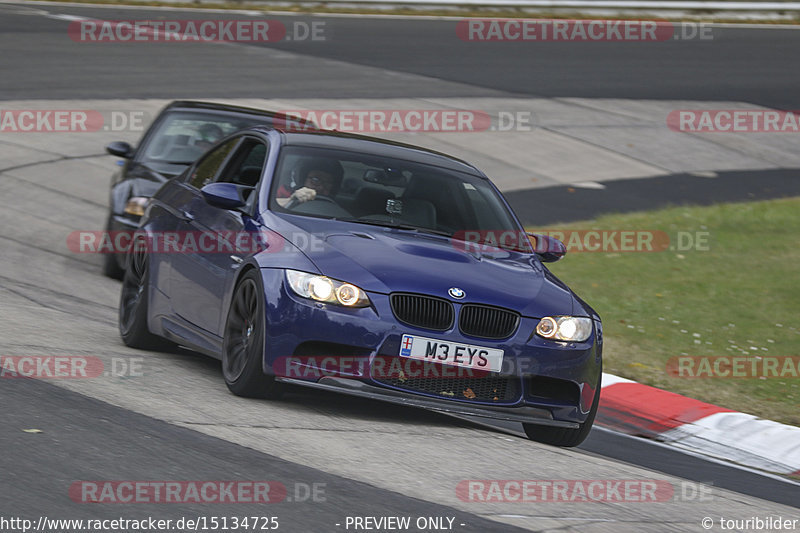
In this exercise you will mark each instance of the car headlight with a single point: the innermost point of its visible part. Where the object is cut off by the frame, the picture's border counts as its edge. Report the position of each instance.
(325, 289)
(565, 328)
(136, 205)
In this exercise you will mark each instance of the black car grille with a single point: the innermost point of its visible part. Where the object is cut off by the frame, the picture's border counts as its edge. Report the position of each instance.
(487, 322)
(423, 311)
(438, 314)
(477, 389)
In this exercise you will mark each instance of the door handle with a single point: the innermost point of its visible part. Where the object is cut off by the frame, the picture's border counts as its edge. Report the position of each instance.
(236, 261)
(186, 216)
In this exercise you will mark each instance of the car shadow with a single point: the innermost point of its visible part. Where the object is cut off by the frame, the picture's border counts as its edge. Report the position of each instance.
(308, 400)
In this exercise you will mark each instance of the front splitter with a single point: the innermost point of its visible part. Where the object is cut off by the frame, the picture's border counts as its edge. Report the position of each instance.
(353, 387)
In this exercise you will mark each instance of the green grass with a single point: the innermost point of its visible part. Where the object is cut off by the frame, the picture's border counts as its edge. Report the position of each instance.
(741, 296)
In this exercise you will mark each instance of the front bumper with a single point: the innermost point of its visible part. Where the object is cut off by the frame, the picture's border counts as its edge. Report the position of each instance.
(554, 382)
(123, 223)
(365, 390)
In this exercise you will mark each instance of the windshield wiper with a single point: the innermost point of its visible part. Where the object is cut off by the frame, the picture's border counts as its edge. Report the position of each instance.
(397, 225)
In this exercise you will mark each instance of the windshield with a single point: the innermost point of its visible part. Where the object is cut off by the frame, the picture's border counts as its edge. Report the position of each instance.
(182, 137)
(383, 191)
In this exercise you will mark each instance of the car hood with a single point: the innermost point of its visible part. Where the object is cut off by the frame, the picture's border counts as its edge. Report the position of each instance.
(136, 180)
(386, 260)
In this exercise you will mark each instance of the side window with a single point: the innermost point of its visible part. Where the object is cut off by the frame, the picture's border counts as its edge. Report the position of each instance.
(246, 165)
(205, 172)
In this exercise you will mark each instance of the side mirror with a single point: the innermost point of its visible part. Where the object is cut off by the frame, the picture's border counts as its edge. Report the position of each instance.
(225, 195)
(120, 149)
(549, 249)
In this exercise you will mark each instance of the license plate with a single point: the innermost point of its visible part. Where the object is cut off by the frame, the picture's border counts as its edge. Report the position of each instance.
(451, 353)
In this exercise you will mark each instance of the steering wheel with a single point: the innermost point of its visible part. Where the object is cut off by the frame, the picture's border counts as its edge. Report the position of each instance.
(291, 204)
(324, 199)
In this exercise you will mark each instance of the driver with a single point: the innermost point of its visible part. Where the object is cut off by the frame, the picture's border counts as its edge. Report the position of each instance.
(318, 176)
(208, 134)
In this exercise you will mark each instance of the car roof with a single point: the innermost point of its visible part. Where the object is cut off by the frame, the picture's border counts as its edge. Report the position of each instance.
(197, 105)
(364, 144)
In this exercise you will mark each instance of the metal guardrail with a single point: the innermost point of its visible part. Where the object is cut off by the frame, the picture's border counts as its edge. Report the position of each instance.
(765, 7)
(615, 4)
(761, 7)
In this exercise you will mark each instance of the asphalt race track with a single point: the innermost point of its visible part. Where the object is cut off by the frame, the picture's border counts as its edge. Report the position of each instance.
(750, 65)
(169, 417)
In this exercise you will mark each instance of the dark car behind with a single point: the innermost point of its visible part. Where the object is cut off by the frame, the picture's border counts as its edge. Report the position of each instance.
(181, 133)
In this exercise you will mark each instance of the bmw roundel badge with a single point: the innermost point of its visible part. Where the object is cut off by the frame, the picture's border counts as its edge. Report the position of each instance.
(456, 293)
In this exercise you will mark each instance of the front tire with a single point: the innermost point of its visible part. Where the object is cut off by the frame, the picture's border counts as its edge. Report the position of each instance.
(243, 344)
(111, 266)
(563, 436)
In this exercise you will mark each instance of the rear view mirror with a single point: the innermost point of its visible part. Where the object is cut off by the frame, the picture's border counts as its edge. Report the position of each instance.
(120, 149)
(549, 249)
(389, 176)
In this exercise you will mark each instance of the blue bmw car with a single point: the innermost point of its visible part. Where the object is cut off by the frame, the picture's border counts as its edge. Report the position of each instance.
(368, 267)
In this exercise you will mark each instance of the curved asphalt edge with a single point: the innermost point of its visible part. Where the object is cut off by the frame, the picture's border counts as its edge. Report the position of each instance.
(635, 409)
(569, 203)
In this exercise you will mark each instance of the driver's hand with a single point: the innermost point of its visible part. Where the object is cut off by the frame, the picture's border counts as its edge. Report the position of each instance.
(303, 194)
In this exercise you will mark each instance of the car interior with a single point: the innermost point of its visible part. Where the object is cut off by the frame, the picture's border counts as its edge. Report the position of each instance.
(182, 138)
(245, 168)
(415, 196)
